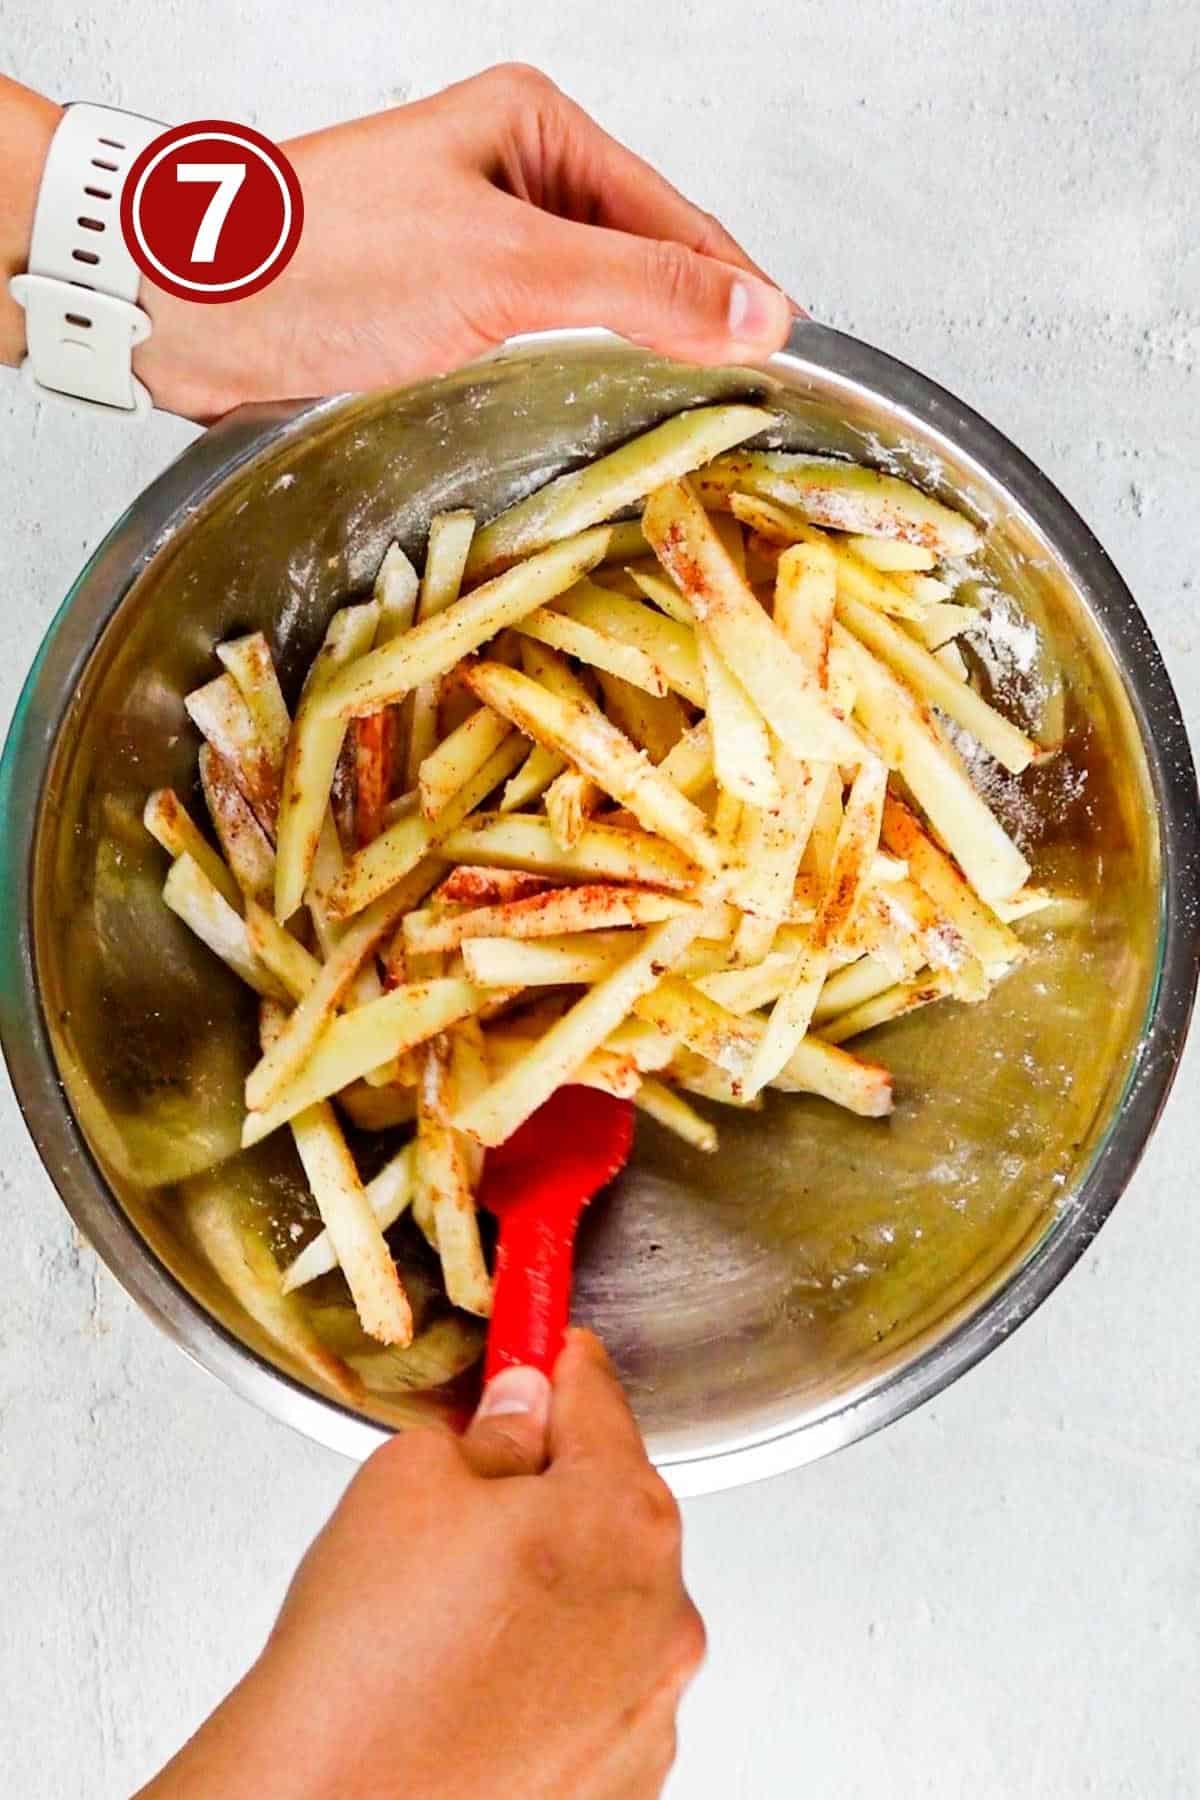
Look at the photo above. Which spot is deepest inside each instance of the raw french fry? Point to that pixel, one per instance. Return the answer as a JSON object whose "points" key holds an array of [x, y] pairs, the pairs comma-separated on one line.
{"points": [[805, 593], [653, 724], [985, 935], [668, 645], [905, 997], [766, 884], [372, 775], [952, 658], [626, 541], [857, 841], [922, 672], [666, 596], [542, 915], [450, 537], [571, 799], [433, 647], [937, 941], [354, 1230], [574, 957], [377, 1108], [704, 1078], [249, 1271], [848, 987], [741, 747], [395, 592], [1028, 900], [841, 496], [689, 764], [531, 780], [772, 526], [890, 554], [443, 1184], [326, 872], [575, 501], [472, 886], [171, 825], [936, 778], [574, 638], [470, 1075], [403, 845], [316, 1008], [360, 1040], [246, 845], [604, 1069], [603, 852], [457, 758], [685, 1013], [744, 991], [928, 590], [192, 897], [249, 661], [602, 753], [282, 955], [642, 1044], [313, 750], [672, 1110], [942, 621], [496, 1114], [221, 715], [750, 645], [818, 1067]]}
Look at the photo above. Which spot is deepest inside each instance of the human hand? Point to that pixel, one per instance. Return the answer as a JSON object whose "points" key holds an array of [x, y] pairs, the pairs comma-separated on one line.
{"points": [[503, 1614], [434, 231]]}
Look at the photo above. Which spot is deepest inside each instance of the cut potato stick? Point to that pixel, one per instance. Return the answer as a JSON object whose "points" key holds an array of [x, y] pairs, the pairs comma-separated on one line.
{"points": [[324, 876], [842, 496], [704, 1078], [294, 1042], [741, 747], [247, 847], [372, 775], [1031, 900], [604, 1069], [362, 1252], [603, 852], [450, 537], [444, 1187], [893, 1003], [922, 672], [985, 935], [689, 764], [626, 543], [360, 1040], [472, 886], [891, 554], [744, 991], [936, 778], [403, 845], [805, 593], [543, 766], [818, 1067], [602, 753], [750, 645], [470, 1075], [433, 647], [654, 724], [937, 941], [171, 825], [531, 780], [574, 638], [313, 750], [571, 799], [668, 645], [547, 914], [642, 1044], [681, 1010], [666, 596], [246, 1267], [941, 621], [848, 987], [670, 1109], [395, 592], [620, 479], [284, 956], [377, 1108], [496, 1114], [221, 715], [952, 658], [766, 884], [574, 957], [388, 1196], [192, 897], [249, 661], [446, 770]]}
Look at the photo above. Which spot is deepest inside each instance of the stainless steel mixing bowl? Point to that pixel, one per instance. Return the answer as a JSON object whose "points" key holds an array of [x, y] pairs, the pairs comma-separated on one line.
{"points": [[822, 1274]]}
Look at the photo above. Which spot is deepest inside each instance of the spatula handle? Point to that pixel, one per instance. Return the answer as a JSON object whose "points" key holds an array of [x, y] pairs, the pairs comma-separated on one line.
{"points": [[532, 1300]]}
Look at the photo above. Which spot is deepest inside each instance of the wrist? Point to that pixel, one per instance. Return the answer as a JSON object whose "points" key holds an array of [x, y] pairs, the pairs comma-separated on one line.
{"points": [[28, 122]]}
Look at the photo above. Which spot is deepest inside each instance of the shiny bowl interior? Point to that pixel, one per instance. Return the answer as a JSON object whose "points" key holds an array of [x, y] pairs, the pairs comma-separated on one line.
{"points": [[821, 1273]]}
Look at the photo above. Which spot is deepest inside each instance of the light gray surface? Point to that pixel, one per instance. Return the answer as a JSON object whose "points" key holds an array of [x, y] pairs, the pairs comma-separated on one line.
{"points": [[999, 1597]]}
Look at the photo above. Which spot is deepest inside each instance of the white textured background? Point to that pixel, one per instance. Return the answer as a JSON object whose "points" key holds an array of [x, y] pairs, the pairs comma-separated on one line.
{"points": [[1000, 1596]]}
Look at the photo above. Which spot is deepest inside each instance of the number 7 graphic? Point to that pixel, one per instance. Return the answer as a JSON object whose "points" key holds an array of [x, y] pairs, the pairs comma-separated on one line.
{"points": [[228, 178]]}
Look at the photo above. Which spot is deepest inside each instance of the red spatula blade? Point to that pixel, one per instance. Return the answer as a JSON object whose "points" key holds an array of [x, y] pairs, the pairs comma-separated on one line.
{"points": [[537, 1184]]}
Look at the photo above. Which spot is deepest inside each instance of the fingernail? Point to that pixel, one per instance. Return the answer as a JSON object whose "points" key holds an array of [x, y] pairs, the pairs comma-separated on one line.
{"points": [[520, 1390], [758, 314]]}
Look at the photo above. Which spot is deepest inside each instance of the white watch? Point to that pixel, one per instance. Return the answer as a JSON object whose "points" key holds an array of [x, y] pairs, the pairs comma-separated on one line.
{"points": [[80, 290]]}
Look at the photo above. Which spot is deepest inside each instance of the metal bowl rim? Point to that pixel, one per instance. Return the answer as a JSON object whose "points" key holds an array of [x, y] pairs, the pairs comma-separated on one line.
{"points": [[217, 457]]}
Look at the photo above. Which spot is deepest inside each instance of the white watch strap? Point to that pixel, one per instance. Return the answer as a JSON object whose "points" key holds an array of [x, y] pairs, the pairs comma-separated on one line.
{"points": [[80, 293]]}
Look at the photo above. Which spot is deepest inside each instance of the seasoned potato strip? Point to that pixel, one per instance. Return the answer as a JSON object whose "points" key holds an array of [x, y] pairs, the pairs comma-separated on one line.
{"points": [[457, 758], [574, 957], [984, 934], [751, 646], [620, 479], [574, 638], [496, 1114], [547, 914], [602, 753], [192, 897], [741, 747], [469, 885], [893, 1003], [247, 847], [672, 1110], [388, 1196], [444, 1187], [653, 724], [313, 750], [603, 852], [891, 554], [689, 764], [805, 593], [171, 825], [571, 799], [249, 661], [294, 967], [450, 535], [817, 1067], [221, 715], [667, 644]]}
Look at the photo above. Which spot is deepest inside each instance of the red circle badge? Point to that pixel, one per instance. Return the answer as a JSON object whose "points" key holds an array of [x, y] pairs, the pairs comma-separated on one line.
{"points": [[212, 211]]}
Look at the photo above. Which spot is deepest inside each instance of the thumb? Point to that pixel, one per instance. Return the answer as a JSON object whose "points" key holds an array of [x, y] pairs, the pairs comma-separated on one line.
{"points": [[658, 293], [508, 1435]]}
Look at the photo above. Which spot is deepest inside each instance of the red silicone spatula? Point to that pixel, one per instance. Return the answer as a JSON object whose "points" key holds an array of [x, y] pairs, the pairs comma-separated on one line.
{"points": [[537, 1184]]}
